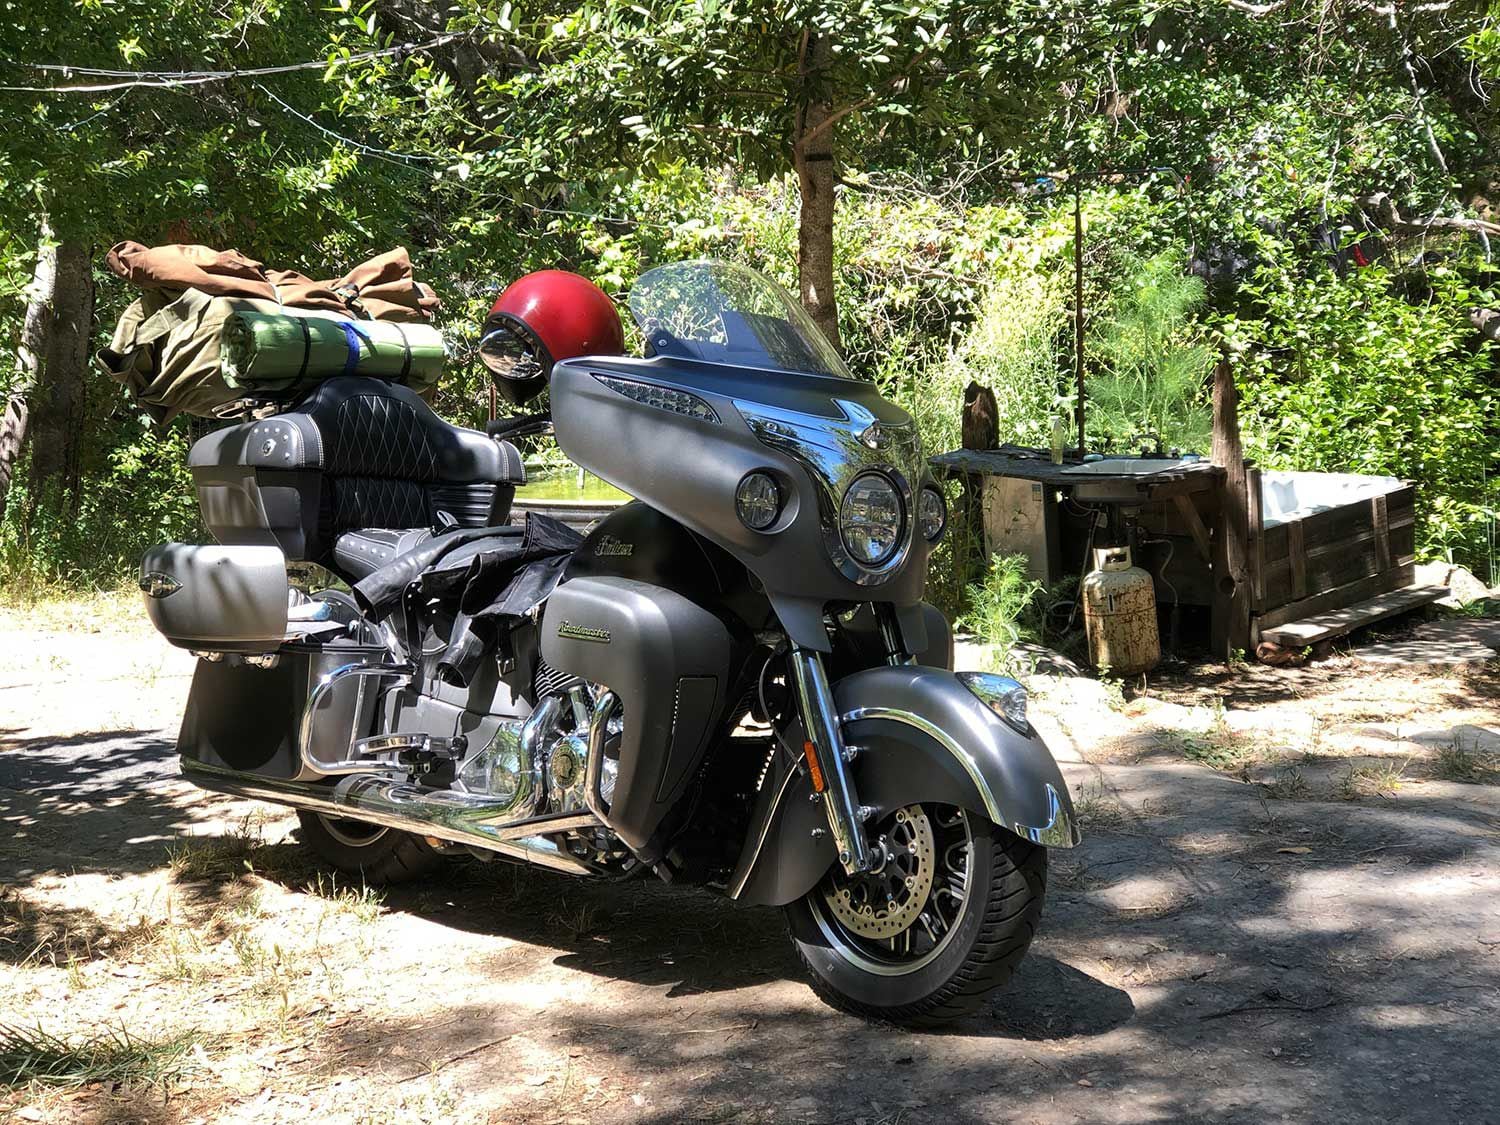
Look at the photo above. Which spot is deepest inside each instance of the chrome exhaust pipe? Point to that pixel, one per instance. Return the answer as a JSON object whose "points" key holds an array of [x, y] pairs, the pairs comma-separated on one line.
{"points": [[456, 818]]}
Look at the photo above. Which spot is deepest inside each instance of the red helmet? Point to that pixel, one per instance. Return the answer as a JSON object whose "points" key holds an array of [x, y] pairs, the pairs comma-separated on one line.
{"points": [[544, 317]]}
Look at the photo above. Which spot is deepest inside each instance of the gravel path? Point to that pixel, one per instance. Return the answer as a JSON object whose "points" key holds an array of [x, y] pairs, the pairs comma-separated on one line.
{"points": [[1211, 952]]}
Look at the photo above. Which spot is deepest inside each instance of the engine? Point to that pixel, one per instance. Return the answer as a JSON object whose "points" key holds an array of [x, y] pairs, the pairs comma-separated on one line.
{"points": [[539, 767]]}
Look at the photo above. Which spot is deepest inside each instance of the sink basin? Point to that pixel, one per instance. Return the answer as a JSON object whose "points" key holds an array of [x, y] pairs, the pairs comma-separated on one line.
{"points": [[1127, 466]]}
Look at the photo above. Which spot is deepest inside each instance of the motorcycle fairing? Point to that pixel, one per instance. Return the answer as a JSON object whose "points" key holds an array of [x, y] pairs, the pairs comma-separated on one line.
{"points": [[921, 736], [689, 464], [674, 666]]}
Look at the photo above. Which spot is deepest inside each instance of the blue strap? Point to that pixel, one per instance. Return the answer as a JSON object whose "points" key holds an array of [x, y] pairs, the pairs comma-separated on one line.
{"points": [[351, 356]]}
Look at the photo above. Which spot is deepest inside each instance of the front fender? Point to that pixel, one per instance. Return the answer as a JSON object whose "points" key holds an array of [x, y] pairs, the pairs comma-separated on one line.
{"points": [[921, 735]]}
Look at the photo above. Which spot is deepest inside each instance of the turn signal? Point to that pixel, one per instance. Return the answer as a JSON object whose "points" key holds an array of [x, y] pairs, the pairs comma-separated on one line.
{"points": [[810, 752]]}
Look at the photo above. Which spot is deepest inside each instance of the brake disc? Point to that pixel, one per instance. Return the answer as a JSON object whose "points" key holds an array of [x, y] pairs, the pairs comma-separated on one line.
{"points": [[881, 904]]}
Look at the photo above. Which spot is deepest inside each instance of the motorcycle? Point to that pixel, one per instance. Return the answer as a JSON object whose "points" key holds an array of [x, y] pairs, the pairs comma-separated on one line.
{"points": [[730, 682]]}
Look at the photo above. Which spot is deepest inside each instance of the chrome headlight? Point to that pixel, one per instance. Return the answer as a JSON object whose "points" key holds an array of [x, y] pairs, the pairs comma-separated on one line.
{"points": [[870, 519], [1001, 695]]}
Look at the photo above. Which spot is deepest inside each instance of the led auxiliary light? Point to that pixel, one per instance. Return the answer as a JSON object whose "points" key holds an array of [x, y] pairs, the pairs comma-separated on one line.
{"points": [[663, 398], [1002, 695], [757, 501], [932, 514]]}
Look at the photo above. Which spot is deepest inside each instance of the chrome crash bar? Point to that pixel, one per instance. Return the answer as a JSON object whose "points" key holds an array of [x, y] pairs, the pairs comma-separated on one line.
{"points": [[348, 762]]}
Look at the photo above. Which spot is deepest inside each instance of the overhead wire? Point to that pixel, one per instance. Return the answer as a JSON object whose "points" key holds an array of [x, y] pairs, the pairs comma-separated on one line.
{"points": [[180, 80], [358, 146], [167, 79]]}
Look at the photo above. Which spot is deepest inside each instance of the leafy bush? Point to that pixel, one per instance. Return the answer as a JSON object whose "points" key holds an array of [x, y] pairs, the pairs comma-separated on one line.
{"points": [[1013, 347], [1348, 375], [138, 493]]}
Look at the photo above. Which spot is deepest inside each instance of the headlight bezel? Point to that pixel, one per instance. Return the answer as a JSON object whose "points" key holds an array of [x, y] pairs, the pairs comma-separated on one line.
{"points": [[897, 530]]}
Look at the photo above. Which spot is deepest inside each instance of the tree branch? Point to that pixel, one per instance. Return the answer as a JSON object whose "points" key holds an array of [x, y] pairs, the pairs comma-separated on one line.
{"points": [[1382, 208], [885, 87], [1256, 9]]}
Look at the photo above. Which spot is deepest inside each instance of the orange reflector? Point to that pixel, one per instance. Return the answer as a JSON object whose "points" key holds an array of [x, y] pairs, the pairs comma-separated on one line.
{"points": [[812, 766]]}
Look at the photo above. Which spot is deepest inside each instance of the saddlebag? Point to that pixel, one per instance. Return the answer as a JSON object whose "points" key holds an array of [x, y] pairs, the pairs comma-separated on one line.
{"points": [[248, 718], [217, 599]]}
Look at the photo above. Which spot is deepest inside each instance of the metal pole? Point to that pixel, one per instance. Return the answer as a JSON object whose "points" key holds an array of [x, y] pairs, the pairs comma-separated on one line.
{"points": [[1078, 305]]}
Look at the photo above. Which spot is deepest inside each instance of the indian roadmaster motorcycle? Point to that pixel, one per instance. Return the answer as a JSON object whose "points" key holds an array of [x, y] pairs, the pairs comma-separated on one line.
{"points": [[731, 682]]}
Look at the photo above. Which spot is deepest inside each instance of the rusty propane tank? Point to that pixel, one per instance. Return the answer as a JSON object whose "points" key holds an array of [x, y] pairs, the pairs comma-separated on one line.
{"points": [[1119, 612]]}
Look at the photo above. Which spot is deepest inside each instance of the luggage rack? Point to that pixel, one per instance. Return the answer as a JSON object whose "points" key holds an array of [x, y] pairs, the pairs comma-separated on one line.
{"points": [[250, 409]]}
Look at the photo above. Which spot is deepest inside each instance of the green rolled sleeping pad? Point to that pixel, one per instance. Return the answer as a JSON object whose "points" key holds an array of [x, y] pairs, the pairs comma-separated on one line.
{"points": [[268, 352]]}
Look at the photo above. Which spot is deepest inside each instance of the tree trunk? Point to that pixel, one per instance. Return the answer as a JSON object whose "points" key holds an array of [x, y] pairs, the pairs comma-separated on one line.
{"points": [[813, 156], [46, 404], [1230, 618]]}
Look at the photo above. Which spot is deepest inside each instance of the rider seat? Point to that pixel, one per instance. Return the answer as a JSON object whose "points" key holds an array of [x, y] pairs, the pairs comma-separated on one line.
{"points": [[358, 472]]}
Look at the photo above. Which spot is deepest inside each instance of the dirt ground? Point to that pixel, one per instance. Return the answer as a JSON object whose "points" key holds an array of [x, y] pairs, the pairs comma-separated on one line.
{"points": [[1287, 907]]}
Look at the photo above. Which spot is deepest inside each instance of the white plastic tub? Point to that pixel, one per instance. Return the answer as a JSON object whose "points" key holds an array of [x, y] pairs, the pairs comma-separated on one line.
{"points": [[1285, 497]]}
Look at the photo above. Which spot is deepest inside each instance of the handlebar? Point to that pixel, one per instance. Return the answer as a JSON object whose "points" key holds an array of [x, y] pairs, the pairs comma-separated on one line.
{"points": [[519, 425]]}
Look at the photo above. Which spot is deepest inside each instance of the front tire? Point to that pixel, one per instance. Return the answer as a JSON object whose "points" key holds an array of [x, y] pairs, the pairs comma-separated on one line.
{"points": [[380, 856], [944, 922]]}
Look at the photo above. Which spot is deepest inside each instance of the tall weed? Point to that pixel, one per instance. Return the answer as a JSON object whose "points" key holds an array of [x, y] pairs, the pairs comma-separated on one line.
{"points": [[1000, 607]]}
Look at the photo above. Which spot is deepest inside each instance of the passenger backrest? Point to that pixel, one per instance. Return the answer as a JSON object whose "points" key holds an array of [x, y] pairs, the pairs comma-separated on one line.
{"points": [[356, 453]]}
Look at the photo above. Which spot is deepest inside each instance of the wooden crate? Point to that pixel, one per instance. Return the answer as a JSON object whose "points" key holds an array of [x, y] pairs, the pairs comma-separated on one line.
{"points": [[1330, 559]]}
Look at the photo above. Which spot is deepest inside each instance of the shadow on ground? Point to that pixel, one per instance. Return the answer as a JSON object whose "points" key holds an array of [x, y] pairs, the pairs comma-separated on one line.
{"points": [[1207, 955]]}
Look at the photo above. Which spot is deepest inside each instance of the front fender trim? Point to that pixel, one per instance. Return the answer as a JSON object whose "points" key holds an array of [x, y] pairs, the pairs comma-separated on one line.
{"points": [[1061, 828]]}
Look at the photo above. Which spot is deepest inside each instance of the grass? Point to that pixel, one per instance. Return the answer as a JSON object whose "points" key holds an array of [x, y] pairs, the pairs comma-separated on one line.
{"points": [[114, 1057], [1217, 747], [1288, 785], [1455, 763], [1380, 780], [241, 851], [1095, 807], [61, 608]]}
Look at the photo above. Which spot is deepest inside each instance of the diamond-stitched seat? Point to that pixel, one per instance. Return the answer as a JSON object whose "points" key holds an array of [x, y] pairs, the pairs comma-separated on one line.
{"points": [[357, 455]]}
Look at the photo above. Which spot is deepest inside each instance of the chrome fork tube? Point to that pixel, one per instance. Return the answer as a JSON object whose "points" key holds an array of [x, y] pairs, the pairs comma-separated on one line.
{"points": [[821, 718]]}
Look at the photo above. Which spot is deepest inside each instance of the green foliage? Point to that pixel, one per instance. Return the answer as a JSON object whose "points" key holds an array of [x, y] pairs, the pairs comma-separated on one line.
{"points": [[1013, 347], [112, 1057], [999, 607], [608, 138], [661, 80], [1350, 375], [1153, 363], [137, 495]]}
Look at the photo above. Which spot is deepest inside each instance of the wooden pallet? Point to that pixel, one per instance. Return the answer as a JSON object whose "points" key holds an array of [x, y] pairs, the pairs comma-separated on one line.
{"points": [[1337, 622]]}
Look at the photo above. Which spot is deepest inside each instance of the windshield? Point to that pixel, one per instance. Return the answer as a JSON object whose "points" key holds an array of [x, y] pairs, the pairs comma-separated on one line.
{"points": [[726, 313]]}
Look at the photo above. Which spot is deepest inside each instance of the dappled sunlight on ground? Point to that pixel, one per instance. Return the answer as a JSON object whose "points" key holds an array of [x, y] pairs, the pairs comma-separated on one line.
{"points": [[1213, 951]]}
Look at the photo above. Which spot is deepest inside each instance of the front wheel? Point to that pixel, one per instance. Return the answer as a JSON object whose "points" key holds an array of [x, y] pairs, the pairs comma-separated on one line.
{"points": [[944, 920]]}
